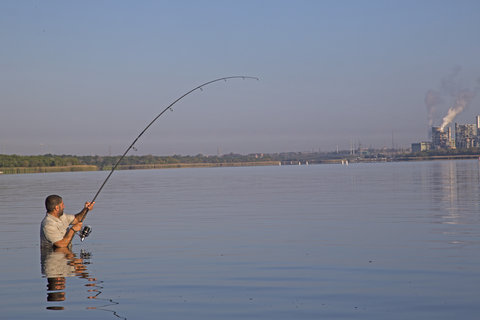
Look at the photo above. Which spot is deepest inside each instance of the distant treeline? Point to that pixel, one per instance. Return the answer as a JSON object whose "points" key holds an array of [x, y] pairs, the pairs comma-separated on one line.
{"points": [[48, 160], [106, 162]]}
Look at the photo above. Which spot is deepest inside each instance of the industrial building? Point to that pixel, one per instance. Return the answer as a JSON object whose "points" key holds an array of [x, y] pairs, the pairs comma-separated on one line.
{"points": [[442, 138], [467, 136], [421, 146]]}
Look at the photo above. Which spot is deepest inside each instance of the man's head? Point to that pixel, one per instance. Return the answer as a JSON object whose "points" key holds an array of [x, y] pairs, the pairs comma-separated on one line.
{"points": [[52, 202]]}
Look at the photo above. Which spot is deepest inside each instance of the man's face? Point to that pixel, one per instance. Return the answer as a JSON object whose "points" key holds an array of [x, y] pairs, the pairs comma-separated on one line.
{"points": [[61, 206]]}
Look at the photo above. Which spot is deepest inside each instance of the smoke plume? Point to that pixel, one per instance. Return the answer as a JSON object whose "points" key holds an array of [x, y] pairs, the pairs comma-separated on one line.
{"points": [[433, 98], [462, 100], [450, 88]]}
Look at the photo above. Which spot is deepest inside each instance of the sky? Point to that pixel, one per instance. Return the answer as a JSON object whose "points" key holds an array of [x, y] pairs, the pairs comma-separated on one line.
{"points": [[86, 77]]}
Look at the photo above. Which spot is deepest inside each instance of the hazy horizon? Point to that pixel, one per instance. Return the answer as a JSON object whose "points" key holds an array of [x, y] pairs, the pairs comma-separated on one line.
{"points": [[86, 77]]}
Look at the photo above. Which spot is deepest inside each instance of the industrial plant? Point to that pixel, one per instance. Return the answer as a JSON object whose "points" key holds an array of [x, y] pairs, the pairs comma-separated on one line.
{"points": [[467, 136]]}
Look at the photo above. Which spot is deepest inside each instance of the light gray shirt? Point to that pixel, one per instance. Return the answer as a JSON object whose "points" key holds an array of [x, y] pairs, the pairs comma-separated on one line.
{"points": [[53, 229]]}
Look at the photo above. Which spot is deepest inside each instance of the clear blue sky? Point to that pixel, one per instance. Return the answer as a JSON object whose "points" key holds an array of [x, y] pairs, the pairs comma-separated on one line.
{"points": [[85, 77]]}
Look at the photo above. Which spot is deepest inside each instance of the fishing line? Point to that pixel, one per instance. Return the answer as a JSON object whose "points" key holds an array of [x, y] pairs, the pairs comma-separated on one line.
{"points": [[87, 229]]}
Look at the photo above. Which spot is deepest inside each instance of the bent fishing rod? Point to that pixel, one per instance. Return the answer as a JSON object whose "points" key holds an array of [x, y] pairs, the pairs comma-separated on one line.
{"points": [[87, 229]]}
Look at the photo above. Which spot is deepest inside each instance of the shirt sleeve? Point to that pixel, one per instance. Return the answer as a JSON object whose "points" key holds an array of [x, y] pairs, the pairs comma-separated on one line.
{"points": [[69, 218]]}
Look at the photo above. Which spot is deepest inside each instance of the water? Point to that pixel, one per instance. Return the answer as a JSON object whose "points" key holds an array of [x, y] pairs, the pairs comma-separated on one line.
{"points": [[365, 241]]}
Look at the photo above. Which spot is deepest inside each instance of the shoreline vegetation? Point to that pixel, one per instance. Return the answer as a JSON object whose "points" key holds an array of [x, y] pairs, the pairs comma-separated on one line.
{"points": [[18, 164]]}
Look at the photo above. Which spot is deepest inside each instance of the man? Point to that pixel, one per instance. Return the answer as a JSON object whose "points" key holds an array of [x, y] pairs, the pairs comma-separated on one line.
{"points": [[55, 229]]}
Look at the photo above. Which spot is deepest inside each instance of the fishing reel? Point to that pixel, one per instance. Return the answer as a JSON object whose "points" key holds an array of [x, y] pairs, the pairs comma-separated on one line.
{"points": [[85, 232]]}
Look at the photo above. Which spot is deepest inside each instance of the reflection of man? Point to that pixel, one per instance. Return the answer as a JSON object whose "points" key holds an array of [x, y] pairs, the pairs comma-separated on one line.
{"points": [[57, 264], [60, 263], [55, 226]]}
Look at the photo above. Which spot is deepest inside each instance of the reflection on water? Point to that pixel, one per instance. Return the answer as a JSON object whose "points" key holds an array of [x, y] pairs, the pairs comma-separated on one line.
{"points": [[60, 263], [454, 187], [454, 190]]}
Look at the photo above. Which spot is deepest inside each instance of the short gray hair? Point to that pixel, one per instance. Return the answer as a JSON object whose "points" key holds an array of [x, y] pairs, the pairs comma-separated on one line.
{"points": [[52, 201]]}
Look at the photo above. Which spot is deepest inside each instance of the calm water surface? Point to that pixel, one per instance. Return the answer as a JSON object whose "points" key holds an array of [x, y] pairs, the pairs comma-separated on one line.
{"points": [[365, 241]]}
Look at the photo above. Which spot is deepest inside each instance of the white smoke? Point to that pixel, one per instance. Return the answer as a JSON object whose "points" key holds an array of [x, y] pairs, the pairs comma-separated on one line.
{"points": [[434, 98], [462, 100], [449, 88]]}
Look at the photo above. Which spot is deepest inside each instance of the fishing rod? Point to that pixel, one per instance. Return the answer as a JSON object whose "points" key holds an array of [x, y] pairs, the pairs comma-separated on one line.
{"points": [[87, 229]]}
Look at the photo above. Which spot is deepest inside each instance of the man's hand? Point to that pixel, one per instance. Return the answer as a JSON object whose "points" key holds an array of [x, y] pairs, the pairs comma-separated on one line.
{"points": [[89, 205], [81, 215], [68, 236]]}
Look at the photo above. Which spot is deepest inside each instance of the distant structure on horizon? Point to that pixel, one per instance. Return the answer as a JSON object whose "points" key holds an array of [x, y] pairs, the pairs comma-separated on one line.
{"points": [[442, 139], [467, 136]]}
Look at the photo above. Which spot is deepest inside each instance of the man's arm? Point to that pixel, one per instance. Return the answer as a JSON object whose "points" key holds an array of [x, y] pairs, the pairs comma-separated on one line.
{"points": [[79, 216], [76, 226], [68, 236]]}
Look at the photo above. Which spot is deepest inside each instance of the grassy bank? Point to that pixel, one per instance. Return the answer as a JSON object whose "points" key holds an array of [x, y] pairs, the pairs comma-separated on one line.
{"points": [[20, 170], [196, 165]]}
